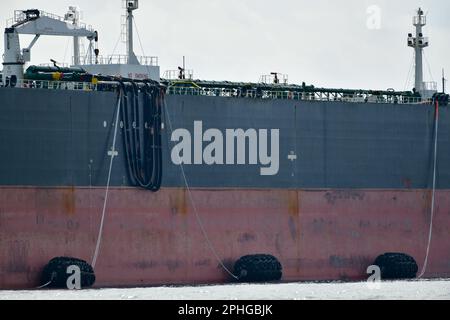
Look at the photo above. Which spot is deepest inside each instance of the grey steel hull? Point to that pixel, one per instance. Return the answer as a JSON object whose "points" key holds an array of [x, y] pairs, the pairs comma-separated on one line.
{"points": [[60, 138]]}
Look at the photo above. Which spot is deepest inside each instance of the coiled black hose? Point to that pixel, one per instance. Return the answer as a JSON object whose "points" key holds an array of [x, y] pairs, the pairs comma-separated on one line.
{"points": [[142, 134]]}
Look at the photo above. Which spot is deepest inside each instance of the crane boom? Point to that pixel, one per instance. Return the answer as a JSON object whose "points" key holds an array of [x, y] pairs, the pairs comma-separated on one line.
{"points": [[38, 23], [46, 26]]}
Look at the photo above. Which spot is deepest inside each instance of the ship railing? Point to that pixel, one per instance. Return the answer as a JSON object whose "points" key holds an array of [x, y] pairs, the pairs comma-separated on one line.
{"points": [[290, 95], [178, 74], [20, 16], [232, 92], [422, 20], [429, 86], [116, 59], [60, 64], [56, 85]]}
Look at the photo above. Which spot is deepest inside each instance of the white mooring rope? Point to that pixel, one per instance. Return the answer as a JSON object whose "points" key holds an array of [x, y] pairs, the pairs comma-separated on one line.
{"points": [[197, 216], [113, 150], [44, 285], [430, 233]]}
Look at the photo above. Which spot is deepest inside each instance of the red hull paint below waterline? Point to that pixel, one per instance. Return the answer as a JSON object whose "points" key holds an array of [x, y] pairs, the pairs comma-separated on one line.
{"points": [[154, 238]]}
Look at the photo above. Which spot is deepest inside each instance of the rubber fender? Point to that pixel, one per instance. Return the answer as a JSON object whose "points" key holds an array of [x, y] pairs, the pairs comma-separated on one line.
{"points": [[258, 268], [55, 272], [397, 266]]}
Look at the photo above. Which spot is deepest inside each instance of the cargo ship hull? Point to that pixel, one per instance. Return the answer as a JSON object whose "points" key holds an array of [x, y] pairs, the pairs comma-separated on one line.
{"points": [[154, 239], [351, 181]]}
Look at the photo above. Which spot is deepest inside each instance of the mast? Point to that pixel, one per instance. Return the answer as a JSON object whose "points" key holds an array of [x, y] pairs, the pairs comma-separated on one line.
{"points": [[76, 40], [419, 42], [131, 5], [443, 80], [73, 15]]}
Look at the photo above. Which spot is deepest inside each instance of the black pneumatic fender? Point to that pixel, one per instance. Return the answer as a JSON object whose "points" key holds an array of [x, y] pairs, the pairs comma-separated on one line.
{"points": [[55, 273], [258, 268], [396, 266]]}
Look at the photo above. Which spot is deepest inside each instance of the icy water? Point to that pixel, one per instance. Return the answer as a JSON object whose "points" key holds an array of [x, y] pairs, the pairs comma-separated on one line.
{"points": [[400, 290]]}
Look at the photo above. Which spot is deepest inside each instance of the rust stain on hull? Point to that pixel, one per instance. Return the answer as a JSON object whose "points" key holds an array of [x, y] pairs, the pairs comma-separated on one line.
{"points": [[178, 202], [69, 201], [293, 201]]}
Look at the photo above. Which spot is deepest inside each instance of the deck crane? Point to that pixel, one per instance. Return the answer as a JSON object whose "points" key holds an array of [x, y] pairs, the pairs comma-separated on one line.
{"points": [[39, 23]]}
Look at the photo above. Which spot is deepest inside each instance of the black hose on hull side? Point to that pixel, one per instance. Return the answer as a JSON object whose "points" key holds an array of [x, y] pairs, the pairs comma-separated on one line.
{"points": [[126, 134], [159, 105], [142, 134]]}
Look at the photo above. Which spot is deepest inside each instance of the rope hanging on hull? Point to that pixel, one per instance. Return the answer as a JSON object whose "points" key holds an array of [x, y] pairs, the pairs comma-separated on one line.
{"points": [[142, 134]]}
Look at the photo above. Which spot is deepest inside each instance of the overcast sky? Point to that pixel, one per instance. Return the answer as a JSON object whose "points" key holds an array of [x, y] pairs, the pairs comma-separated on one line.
{"points": [[339, 43]]}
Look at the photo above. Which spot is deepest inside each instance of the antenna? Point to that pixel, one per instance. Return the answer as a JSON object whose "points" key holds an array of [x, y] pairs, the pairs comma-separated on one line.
{"points": [[443, 80]]}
